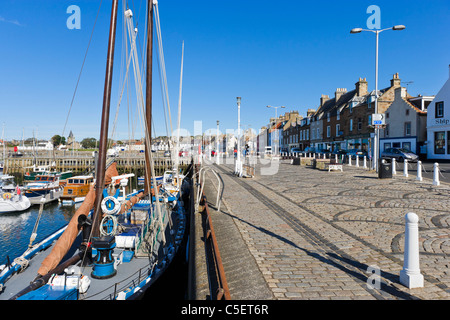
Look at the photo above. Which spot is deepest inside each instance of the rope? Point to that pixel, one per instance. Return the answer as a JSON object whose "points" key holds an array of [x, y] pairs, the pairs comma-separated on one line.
{"points": [[81, 71], [34, 233]]}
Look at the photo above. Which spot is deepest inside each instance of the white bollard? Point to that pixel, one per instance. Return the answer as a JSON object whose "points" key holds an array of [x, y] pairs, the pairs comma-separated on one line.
{"points": [[436, 181], [350, 161], [419, 171], [405, 168], [357, 161], [365, 163], [394, 167], [336, 158], [410, 275]]}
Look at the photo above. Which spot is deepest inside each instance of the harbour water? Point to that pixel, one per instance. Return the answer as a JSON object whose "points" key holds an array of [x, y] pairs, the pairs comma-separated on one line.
{"points": [[16, 228]]}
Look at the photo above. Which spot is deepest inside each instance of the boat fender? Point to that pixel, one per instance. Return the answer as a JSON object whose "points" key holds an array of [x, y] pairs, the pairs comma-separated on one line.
{"points": [[85, 282], [110, 205], [7, 196]]}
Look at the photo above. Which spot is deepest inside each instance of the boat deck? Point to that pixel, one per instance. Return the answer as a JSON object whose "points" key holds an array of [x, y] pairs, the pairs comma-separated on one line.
{"points": [[140, 270]]}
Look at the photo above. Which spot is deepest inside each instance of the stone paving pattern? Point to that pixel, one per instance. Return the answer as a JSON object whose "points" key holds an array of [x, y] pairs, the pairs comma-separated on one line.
{"points": [[315, 234]]}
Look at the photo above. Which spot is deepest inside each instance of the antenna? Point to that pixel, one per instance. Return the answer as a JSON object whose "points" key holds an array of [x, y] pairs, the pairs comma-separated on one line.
{"points": [[407, 84]]}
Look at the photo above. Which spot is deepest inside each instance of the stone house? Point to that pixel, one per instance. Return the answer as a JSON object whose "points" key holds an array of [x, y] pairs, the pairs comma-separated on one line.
{"points": [[357, 125], [316, 124], [304, 130]]}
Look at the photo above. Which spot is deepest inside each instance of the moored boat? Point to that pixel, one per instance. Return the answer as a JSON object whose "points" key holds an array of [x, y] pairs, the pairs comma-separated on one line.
{"points": [[11, 196], [115, 247], [76, 189], [44, 186]]}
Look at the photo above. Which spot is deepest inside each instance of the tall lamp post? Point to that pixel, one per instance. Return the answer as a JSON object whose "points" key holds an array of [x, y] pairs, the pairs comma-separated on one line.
{"points": [[377, 136], [217, 144], [238, 169], [276, 117]]}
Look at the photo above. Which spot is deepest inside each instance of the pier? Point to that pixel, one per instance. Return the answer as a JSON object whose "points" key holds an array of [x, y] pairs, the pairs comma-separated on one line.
{"points": [[82, 162], [305, 233]]}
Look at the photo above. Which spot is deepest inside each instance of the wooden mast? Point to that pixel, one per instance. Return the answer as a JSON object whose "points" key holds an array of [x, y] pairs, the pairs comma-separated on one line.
{"points": [[101, 163], [148, 96]]}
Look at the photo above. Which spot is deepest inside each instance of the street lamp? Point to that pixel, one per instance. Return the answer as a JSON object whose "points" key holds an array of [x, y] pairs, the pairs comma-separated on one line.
{"points": [[377, 32], [217, 149], [238, 169], [276, 117]]}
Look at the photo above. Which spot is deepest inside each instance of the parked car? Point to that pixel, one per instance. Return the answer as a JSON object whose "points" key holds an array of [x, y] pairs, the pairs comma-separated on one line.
{"points": [[295, 150], [356, 153], [399, 154], [310, 150], [339, 152]]}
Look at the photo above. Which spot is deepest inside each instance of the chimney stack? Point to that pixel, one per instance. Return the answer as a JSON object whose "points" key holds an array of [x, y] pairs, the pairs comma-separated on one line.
{"points": [[339, 92], [361, 87], [324, 98], [395, 82]]}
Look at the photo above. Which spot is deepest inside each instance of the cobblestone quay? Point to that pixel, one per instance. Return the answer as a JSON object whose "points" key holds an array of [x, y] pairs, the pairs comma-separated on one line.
{"points": [[312, 234]]}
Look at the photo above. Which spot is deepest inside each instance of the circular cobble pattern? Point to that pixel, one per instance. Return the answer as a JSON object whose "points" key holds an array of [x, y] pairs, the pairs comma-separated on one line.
{"points": [[315, 234]]}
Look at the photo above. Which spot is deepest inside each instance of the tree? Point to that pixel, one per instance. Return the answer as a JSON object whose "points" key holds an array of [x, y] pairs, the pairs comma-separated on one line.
{"points": [[89, 143], [58, 140]]}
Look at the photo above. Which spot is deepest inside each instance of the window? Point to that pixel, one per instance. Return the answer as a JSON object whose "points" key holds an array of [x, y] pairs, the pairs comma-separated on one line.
{"points": [[338, 116], [386, 131], [439, 142], [387, 115], [328, 117], [406, 146], [407, 112], [351, 125], [370, 120], [328, 131], [448, 142], [407, 128], [439, 109], [359, 124], [338, 128], [387, 145], [395, 144], [318, 133], [307, 134]]}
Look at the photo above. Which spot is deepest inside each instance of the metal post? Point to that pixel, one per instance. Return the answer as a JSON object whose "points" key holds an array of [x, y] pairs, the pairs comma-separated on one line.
{"points": [[410, 275], [436, 181], [419, 171], [375, 144], [217, 152], [405, 168]]}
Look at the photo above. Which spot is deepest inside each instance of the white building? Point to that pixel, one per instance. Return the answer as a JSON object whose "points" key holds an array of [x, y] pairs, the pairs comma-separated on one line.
{"points": [[406, 120], [438, 125]]}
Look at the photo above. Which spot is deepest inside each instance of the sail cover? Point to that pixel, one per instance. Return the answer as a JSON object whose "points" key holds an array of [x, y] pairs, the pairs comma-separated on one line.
{"points": [[66, 240]]}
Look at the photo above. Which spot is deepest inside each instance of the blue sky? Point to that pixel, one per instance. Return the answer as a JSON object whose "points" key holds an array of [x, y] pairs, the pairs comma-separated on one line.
{"points": [[275, 53]]}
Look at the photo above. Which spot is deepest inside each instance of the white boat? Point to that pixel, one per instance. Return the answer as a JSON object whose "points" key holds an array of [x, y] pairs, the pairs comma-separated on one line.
{"points": [[44, 186], [11, 197]]}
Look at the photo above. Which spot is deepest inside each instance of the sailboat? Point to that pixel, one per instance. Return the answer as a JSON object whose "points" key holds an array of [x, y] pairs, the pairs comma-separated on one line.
{"points": [[117, 245]]}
